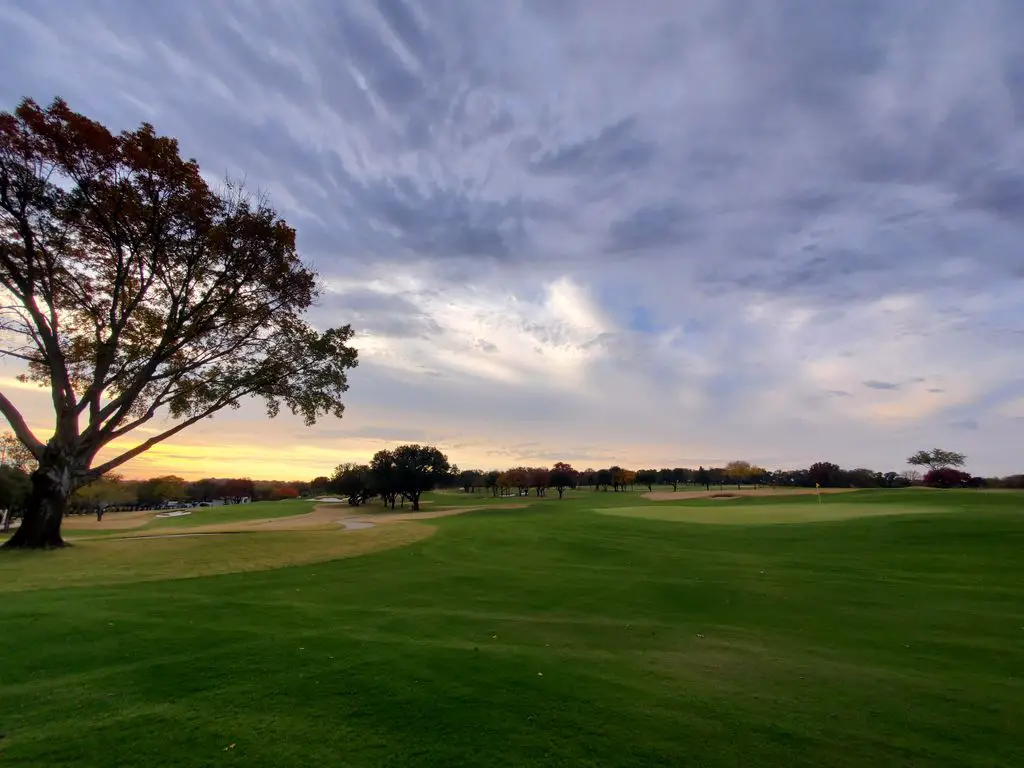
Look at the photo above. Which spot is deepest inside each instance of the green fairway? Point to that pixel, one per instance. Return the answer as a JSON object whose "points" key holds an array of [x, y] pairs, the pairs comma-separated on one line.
{"points": [[549, 635], [807, 510]]}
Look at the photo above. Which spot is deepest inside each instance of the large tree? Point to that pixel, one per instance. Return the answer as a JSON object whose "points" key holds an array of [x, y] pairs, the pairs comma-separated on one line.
{"points": [[157, 490], [133, 290], [491, 481], [647, 477], [826, 474], [937, 458], [409, 471], [563, 476], [739, 472], [354, 482], [470, 480], [539, 479], [947, 477], [107, 491]]}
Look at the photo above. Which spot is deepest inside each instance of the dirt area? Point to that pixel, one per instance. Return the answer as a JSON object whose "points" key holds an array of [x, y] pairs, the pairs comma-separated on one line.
{"points": [[725, 495]]}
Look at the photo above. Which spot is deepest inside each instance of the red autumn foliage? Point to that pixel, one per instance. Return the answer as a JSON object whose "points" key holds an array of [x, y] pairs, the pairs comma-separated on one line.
{"points": [[947, 477]]}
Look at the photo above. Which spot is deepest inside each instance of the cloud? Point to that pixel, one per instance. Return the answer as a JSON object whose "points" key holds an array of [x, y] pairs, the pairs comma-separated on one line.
{"points": [[781, 233], [880, 384]]}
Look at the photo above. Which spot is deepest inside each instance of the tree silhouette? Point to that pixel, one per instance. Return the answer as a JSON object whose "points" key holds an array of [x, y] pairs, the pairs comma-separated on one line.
{"points": [[937, 458], [132, 290], [563, 476]]}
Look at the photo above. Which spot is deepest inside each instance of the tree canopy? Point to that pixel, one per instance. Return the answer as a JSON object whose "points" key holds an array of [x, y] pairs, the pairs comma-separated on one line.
{"points": [[562, 476], [132, 289], [409, 471], [937, 458]]}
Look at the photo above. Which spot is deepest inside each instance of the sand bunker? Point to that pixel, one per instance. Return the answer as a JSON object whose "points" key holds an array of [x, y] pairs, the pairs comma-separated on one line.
{"points": [[355, 525]]}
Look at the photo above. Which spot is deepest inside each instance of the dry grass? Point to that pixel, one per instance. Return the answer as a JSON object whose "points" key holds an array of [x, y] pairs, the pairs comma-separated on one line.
{"points": [[111, 520], [180, 555], [324, 517]]}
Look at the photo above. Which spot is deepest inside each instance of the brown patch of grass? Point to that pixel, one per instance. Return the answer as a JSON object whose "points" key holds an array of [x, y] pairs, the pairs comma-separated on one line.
{"points": [[115, 520], [324, 517], [121, 560]]}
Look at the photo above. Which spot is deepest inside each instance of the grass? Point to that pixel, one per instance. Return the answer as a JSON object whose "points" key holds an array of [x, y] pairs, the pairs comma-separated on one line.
{"points": [[148, 558], [546, 636], [804, 511], [200, 516], [235, 513]]}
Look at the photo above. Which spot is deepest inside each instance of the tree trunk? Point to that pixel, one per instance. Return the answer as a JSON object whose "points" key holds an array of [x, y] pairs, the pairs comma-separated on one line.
{"points": [[415, 498], [560, 492], [52, 484]]}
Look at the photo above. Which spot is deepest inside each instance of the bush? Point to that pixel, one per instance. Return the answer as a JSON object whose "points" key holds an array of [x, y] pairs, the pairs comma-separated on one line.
{"points": [[947, 477]]}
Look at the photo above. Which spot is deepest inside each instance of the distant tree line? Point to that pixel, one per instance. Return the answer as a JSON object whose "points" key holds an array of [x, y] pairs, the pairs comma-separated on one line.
{"points": [[112, 492], [404, 473]]}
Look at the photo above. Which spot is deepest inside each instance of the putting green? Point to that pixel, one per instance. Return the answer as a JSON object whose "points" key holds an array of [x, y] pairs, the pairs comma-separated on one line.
{"points": [[767, 514]]}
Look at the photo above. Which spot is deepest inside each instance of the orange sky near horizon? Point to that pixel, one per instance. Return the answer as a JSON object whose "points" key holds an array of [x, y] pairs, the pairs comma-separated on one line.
{"points": [[211, 449], [246, 443]]}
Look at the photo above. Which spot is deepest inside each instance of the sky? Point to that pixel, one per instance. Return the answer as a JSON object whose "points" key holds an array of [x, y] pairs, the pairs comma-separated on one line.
{"points": [[654, 234]]}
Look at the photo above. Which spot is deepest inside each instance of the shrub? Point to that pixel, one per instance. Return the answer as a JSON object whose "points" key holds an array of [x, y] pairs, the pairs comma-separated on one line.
{"points": [[947, 477]]}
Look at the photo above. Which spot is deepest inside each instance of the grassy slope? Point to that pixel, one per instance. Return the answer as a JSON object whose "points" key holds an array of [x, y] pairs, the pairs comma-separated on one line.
{"points": [[232, 513], [235, 513], [551, 636], [110, 560], [806, 510]]}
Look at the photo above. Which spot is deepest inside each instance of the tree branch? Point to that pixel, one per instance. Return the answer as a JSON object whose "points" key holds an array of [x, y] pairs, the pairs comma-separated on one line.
{"points": [[17, 422], [145, 446]]}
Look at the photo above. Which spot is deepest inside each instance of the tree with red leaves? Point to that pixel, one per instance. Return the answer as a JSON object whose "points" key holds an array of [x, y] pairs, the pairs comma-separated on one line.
{"points": [[133, 290], [947, 477]]}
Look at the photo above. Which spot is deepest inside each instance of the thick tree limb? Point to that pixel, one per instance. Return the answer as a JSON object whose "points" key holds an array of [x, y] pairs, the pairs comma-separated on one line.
{"points": [[17, 422]]}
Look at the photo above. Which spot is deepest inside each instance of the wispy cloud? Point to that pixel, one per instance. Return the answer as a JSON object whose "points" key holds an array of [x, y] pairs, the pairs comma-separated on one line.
{"points": [[783, 231]]}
